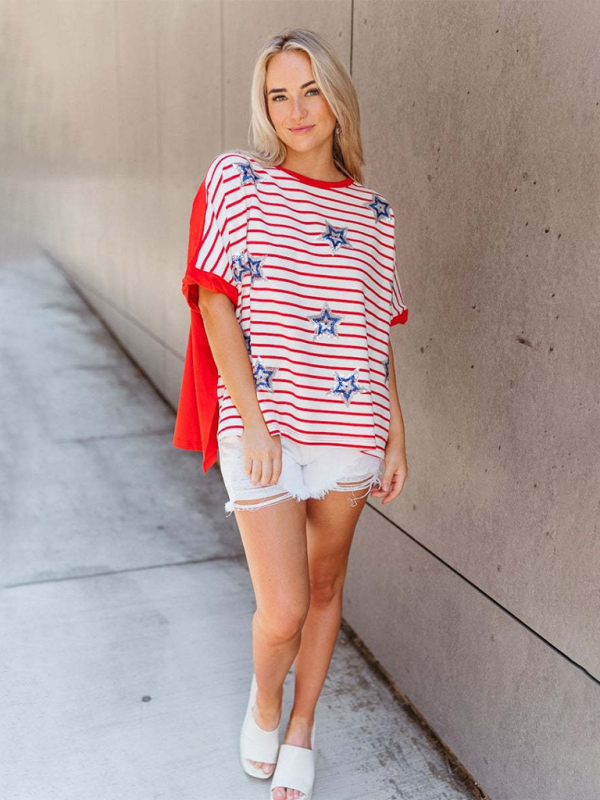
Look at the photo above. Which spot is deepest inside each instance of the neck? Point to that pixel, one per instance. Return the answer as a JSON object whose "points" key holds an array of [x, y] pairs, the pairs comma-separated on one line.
{"points": [[319, 166]]}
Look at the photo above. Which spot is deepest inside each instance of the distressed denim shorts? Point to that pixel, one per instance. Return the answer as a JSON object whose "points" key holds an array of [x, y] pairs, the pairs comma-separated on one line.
{"points": [[307, 470]]}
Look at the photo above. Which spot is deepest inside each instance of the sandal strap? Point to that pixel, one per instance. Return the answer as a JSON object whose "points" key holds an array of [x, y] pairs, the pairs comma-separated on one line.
{"points": [[295, 768], [257, 744]]}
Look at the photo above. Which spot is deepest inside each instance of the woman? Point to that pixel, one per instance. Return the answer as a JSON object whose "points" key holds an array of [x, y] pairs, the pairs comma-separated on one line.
{"points": [[289, 372]]}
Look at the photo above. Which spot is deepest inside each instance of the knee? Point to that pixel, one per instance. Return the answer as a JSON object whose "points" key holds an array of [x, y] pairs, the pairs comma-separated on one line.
{"points": [[282, 625], [326, 588]]}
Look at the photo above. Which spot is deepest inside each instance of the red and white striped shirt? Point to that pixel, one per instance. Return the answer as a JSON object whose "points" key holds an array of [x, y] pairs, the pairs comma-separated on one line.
{"points": [[311, 268]]}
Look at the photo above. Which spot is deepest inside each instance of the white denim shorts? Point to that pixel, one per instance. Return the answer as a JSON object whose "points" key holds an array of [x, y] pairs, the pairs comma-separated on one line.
{"points": [[307, 470]]}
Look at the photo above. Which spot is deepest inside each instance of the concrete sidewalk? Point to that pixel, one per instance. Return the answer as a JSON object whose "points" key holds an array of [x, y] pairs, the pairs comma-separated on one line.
{"points": [[126, 609]]}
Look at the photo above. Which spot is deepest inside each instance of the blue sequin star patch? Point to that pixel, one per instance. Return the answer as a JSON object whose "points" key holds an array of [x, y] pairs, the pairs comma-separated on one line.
{"points": [[239, 267], [256, 269], [347, 386], [247, 340], [379, 207], [247, 173], [325, 322], [263, 375], [386, 368], [245, 264], [335, 237]]}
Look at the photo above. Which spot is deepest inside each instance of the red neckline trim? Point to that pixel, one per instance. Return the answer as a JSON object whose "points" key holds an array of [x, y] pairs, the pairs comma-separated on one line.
{"points": [[315, 181]]}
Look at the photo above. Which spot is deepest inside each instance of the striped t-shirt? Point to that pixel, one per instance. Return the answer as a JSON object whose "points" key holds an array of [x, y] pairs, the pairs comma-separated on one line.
{"points": [[312, 267]]}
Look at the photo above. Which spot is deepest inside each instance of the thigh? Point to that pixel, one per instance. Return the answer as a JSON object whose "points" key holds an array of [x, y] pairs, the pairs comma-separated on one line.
{"points": [[272, 527], [274, 539], [330, 525], [331, 520]]}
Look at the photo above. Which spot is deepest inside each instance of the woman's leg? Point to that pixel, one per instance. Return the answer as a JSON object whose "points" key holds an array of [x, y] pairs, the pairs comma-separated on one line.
{"points": [[274, 539], [330, 524]]}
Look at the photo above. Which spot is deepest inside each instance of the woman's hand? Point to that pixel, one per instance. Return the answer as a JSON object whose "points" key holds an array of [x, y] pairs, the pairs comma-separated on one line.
{"points": [[262, 454], [395, 471]]}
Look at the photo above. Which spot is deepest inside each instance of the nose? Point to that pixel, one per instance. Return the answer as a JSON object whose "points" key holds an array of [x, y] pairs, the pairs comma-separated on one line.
{"points": [[298, 115]]}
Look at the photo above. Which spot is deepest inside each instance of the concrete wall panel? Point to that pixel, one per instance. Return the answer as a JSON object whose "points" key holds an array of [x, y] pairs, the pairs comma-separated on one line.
{"points": [[520, 716], [494, 178]]}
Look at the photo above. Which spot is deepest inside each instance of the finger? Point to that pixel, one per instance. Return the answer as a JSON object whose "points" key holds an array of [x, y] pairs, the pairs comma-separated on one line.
{"points": [[395, 490], [267, 471], [276, 469], [256, 471], [386, 485], [390, 496], [379, 491], [388, 477]]}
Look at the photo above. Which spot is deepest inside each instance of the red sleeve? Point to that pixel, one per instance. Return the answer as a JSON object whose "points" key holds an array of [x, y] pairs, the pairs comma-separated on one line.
{"points": [[399, 309], [197, 412], [400, 318]]}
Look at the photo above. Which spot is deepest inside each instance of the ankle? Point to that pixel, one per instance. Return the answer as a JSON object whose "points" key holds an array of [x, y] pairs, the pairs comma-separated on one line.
{"points": [[270, 704], [301, 721]]}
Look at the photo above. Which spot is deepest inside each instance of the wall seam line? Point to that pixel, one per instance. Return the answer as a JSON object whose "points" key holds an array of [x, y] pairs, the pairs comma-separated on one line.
{"points": [[481, 591]]}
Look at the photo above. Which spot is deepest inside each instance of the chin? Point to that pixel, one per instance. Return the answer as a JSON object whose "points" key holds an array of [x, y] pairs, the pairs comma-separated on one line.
{"points": [[303, 144], [299, 147]]}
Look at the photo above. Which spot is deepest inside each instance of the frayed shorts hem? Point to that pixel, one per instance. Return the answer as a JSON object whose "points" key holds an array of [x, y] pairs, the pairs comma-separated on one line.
{"points": [[308, 471], [317, 494]]}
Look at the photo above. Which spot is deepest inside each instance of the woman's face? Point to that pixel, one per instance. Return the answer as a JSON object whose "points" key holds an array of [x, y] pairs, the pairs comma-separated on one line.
{"points": [[293, 101]]}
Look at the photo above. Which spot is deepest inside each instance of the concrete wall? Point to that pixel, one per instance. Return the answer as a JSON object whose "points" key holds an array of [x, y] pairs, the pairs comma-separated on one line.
{"points": [[477, 588]]}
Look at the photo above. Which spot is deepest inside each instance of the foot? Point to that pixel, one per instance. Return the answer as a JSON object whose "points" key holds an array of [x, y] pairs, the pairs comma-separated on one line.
{"points": [[268, 720], [298, 733]]}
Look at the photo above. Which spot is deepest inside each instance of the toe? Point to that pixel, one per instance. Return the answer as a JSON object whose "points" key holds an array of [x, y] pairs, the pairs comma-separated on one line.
{"points": [[263, 765], [283, 793]]}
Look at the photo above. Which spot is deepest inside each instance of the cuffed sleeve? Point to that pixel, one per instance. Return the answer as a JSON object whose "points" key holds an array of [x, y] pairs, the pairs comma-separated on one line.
{"points": [[399, 309], [209, 248]]}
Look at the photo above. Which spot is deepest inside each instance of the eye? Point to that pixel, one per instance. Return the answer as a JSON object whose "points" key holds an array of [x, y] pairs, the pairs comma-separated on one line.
{"points": [[277, 96]]}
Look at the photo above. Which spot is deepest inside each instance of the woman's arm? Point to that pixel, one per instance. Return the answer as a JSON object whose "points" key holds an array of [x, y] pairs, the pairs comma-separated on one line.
{"points": [[261, 450], [395, 467], [396, 419], [229, 350]]}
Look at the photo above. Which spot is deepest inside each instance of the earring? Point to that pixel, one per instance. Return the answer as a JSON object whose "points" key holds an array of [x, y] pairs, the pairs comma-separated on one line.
{"points": [[338, 130]]}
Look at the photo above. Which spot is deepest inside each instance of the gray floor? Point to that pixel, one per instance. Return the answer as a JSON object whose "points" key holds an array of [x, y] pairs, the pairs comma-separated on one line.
{"points": [[126, 601]]}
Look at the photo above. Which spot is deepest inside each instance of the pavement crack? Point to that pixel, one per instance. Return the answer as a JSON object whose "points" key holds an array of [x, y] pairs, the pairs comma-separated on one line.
{"points": [[64, 578]]}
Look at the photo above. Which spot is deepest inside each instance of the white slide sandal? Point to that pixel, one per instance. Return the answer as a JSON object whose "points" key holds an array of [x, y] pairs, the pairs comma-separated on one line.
{"points": [[295, 768], [255, 743]]}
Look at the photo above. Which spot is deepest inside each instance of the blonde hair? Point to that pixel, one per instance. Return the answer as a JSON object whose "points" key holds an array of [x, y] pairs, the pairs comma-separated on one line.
{"points": [[336, 86]]}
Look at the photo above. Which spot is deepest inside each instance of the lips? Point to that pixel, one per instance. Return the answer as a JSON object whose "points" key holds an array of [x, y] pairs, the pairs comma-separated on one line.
{"points": [[302, 128]]}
